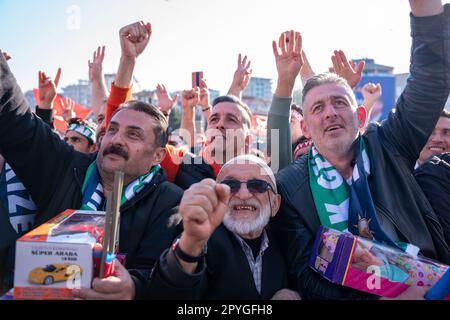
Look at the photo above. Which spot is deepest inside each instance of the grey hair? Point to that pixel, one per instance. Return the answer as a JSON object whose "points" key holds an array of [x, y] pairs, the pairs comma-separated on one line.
{"points": [[325, 78]]}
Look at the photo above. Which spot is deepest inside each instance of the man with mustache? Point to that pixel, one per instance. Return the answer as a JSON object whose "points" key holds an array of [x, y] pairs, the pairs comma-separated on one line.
{"points": [[226, 250], [349, 177], [60, 178]]}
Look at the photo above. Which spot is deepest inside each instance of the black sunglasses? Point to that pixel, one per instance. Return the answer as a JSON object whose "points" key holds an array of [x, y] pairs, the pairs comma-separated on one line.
{"points": [[253, 185]]}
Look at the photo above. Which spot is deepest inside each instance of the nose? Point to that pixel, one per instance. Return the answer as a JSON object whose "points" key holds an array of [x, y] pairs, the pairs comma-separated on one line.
{"points": [[330, 110], [220, 125], [243, 192], [436, 137], [116, 138]]}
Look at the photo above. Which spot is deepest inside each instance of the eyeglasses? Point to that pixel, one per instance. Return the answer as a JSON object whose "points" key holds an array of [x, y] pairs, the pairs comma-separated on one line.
{"points": [[253, 185]]}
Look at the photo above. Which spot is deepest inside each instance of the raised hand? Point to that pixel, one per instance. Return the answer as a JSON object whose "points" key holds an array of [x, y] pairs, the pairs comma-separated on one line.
{"points": [[134, 38], [204, 95], [347, 69], [371, 93], [241, 77], [202, 207], [166, 103], [67, 106], [7, 56], [47, 89], [190, 98], [288, 62], [95, 67]]}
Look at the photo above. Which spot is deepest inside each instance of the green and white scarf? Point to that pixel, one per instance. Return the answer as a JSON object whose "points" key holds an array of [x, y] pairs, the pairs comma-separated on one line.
{"points": [[330, 190], [349, 206], [93, 198]]}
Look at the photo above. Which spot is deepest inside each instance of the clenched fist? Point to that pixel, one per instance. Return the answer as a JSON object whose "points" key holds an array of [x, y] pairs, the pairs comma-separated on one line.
{"points": [[134, 38], [202, 207]]}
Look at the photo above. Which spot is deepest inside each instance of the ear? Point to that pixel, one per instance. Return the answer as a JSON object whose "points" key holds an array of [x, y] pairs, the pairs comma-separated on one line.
{"points": [[160, 154], [305, 129], [362, 116], [93, 148], [276, 202]]}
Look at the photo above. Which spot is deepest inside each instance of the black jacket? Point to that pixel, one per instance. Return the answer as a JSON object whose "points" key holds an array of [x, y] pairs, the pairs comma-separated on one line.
{"points": [[393, 148], [224, 274], [193, 169], [53, 173], [434, 178]]}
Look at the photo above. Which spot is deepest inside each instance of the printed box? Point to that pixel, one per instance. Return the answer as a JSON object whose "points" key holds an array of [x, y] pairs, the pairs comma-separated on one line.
{"points": [[359, 263], [57, 256]]}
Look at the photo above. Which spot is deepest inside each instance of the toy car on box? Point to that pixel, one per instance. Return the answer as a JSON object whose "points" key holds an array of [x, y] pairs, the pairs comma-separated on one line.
{"points": [[54, 273], [57, 256], [359, 263]]}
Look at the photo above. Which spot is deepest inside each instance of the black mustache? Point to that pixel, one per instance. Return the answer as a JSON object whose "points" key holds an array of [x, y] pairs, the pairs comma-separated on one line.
{"points": [[116, 150]]}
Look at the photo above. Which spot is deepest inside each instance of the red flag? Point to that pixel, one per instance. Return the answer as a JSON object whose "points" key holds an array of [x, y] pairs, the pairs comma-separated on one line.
{"points": [[59, 123]]}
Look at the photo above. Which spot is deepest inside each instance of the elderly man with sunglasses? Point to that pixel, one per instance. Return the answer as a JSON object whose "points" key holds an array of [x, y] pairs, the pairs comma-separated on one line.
{"points": [[225, 250]]}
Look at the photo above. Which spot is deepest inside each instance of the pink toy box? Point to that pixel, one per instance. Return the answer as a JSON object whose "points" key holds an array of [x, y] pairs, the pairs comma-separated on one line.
{"points": [[365, 265]]}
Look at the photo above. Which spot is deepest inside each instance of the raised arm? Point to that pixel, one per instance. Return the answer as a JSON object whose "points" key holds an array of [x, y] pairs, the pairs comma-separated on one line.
{"points": [[347, 69], [204, 102], [423, 99], [289, 62], [189, 99], [98, 86], [241, 77], [371, 93], [166, 102], [31, 148], [134, 38], [47, 94]]}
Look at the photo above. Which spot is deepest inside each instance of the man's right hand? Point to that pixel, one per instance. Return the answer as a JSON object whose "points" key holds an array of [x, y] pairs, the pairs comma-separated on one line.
{"points": [[134, 38], [202, 207], [289, 62]]}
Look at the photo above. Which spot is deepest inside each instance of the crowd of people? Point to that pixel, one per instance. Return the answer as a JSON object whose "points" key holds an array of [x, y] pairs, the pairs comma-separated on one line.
{"points": [[229, 221]]}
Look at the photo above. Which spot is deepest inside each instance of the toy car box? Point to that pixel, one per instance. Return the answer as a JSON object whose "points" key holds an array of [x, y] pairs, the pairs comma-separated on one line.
{"points": [[57, 256], [359, 263]]}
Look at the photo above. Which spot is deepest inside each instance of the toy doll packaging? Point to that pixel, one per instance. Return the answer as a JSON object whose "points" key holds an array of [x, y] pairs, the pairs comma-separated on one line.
{"points": [[365, 265]]}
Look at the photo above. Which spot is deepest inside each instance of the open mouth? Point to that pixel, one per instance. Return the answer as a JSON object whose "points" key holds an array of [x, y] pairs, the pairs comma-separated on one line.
{"points": [[436, 149], [333, 128], [244, 208]]}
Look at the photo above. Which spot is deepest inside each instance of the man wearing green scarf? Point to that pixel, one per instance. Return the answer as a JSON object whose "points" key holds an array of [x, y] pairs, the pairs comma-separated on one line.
{"points": [[363, 183], [59, 177]]}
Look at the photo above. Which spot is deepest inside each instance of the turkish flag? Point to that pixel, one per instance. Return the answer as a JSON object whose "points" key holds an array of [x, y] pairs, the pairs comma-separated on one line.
{"points": [[59, 123]]}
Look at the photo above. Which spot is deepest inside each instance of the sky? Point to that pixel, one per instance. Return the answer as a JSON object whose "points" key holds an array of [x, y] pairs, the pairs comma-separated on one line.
{"points": [[197, 35]]}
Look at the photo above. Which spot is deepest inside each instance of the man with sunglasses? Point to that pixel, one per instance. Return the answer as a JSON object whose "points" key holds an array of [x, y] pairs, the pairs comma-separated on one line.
{"points": [[225, 250]]}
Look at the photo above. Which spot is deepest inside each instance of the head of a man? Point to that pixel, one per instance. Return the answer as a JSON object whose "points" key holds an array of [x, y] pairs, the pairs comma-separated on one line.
{"points": [[134, 141], [253, 195], [439, 140], [81, 135], [228, 130], [331, 115], [296, 118]]}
